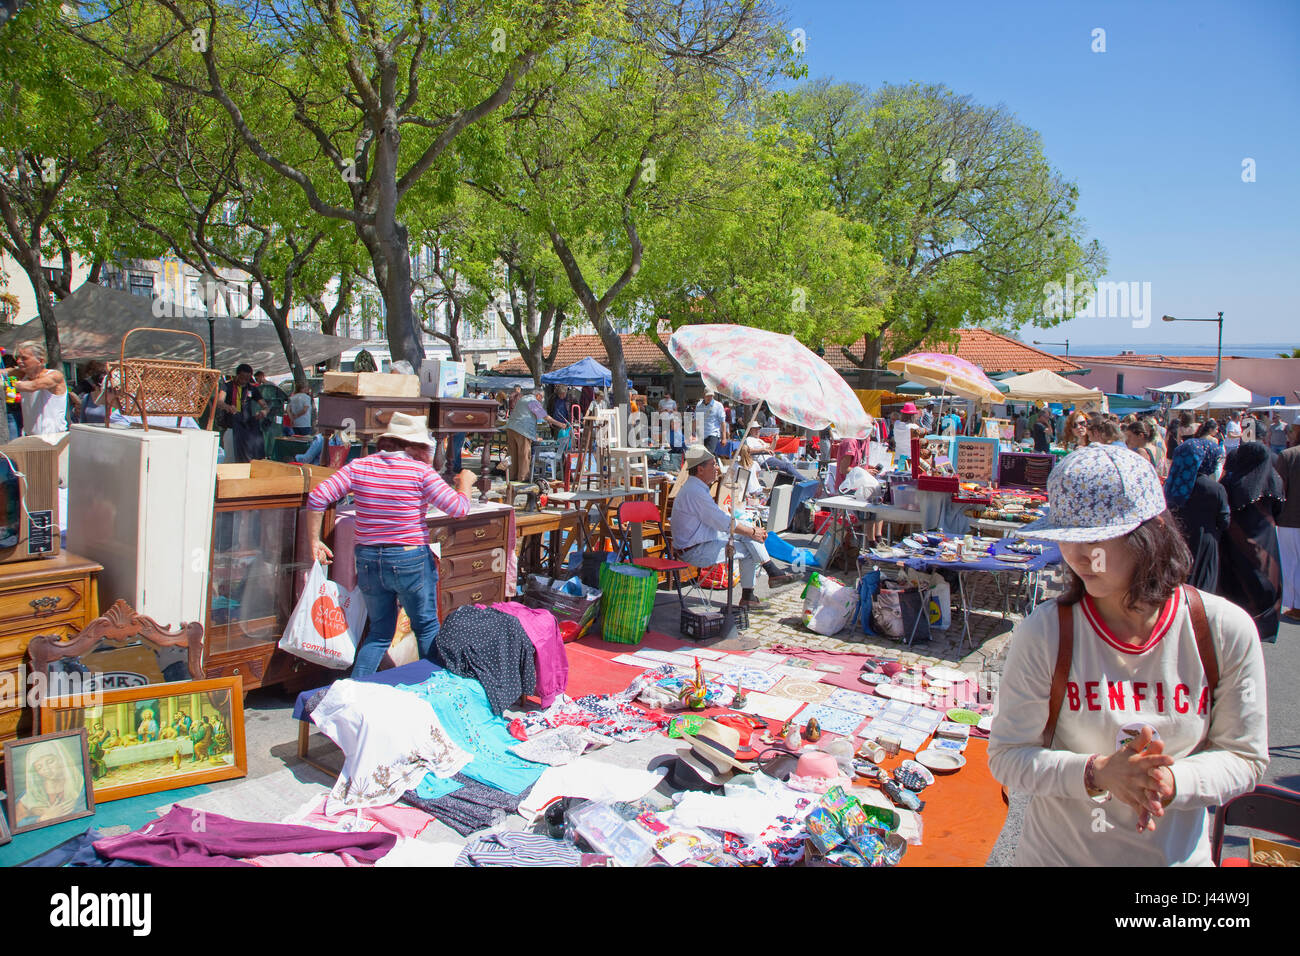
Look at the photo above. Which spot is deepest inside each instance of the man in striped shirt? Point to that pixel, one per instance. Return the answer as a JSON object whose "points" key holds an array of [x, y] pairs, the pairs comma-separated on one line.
{"points": [[393, 491]]}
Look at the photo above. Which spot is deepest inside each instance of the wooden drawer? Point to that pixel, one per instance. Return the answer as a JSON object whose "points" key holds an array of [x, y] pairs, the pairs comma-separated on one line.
{"points": [[249, 663], [462, 568], [9, 723], [62, 600], [469, 417], [15, 645], [476, 592], [463, 535]]}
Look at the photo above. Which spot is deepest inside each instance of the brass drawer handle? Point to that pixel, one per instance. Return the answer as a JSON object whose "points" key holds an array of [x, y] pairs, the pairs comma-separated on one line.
{"points": [[478, 533], [45, 605], [476, 595], [477, 565]]}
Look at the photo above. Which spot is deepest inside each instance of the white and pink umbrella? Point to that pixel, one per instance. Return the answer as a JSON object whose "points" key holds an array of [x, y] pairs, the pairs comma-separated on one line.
{"points": [[753, 366]]}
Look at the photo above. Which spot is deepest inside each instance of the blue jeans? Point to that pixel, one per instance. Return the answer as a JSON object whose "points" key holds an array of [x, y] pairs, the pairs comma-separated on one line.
{"points": [[455, 445], [312, 455], [386, 574]]}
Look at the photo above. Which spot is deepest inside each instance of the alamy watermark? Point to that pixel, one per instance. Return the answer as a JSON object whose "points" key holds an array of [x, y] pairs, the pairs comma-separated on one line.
{"points": [[1098, 300], [210, 294]]}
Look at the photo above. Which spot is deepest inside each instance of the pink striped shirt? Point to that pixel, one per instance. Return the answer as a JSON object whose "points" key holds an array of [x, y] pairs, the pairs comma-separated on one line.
{"points": [[393, 493]]}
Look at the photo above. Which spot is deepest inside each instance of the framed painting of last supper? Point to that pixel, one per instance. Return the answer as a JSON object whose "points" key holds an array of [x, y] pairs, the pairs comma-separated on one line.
{"points": [[156, 737]]}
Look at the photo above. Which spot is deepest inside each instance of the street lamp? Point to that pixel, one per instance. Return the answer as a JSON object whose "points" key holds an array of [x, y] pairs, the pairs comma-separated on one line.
{"points": [[209, 284], [1066, 343], [1218, 367]]}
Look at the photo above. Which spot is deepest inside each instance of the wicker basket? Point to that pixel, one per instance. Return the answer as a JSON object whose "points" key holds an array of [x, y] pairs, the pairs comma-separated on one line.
{"points": [[163, 386]]}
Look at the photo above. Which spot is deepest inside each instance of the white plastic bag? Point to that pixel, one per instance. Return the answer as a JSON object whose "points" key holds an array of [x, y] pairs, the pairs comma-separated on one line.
{"points": [[828, 606], [860, 483], [325, 628]]}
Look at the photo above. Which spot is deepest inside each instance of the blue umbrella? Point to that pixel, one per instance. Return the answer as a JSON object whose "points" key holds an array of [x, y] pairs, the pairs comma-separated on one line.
{"points": [[584, 372]]}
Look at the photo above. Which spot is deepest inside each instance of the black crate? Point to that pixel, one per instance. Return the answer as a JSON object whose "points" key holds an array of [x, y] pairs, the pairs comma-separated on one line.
{"points": [[706, 625]]}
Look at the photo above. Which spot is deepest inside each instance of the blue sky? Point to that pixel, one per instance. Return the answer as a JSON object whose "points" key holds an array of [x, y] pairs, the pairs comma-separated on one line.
{"points": [[1154, 132]]}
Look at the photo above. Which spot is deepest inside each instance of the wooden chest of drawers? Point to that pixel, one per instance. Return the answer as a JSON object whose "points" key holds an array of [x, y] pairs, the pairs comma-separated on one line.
{"points": [[472, 568], [54, 596], [361, 415]]}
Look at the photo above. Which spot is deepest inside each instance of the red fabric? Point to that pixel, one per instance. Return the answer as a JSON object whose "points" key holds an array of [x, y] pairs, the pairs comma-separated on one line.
{"points": [[787, 445]]}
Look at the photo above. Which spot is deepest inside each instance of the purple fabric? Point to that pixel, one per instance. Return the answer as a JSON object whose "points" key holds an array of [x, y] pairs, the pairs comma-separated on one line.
{"points": [[552, 661], [186, 837]]}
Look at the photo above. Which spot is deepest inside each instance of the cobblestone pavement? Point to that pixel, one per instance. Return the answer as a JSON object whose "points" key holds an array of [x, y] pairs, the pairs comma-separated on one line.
{"points": [[779, 621]]}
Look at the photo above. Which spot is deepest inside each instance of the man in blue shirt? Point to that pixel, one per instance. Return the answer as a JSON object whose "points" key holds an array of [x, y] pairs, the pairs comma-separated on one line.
{"points": [[713, 421], [700, 529]]}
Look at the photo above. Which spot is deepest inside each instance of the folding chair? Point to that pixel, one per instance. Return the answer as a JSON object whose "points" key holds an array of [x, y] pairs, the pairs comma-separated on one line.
{"points": [[631, 516], [1271, 809]]}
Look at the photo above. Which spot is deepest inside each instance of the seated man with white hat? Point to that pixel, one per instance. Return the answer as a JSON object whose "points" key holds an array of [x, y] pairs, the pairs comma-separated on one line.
{"points": [[700, 528]]}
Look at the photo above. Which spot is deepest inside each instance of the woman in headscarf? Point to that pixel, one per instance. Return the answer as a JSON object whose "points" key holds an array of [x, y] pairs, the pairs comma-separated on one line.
{"points": [[54, 784], [1200, 505], [1251, 567]]}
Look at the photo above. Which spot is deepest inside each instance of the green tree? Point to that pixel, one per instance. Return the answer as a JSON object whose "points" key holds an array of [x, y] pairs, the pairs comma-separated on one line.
{"points": [[606, 149], [374, 93], [57, 131], [967, 214]]}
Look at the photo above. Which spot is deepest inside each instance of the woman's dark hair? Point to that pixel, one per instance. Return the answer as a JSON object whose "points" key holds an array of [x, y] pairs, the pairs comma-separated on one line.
{"points": [[1208, 427], [1143, 428], [1163, 563]]}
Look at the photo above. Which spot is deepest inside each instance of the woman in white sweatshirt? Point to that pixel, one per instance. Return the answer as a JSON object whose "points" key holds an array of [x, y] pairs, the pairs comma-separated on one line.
{"points": [[1150, 729]]}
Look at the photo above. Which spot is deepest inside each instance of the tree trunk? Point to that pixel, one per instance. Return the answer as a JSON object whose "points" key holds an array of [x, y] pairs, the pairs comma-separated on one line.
{"points": [[45, 308], [390, 252]]}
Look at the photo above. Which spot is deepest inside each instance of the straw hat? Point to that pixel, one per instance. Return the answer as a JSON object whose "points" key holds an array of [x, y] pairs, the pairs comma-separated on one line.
{"points": [[409, 428]]}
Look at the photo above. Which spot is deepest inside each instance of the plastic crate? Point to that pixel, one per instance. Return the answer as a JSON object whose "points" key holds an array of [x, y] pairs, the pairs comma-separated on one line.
{"points": [[706, 625]]}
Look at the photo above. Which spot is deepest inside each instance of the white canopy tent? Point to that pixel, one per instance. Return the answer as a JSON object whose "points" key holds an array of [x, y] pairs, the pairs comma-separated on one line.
{"points": [[1185, 387], [1046, 386], [1227, 394]]}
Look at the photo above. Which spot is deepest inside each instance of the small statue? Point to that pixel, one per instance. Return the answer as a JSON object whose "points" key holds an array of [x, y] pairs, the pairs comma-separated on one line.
{"points": [[740, 699], [812, 731]]}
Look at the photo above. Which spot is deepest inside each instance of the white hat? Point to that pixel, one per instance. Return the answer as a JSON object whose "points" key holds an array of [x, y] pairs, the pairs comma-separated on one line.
{"points": [[698, 455], [1098, 493], [412, 428]]}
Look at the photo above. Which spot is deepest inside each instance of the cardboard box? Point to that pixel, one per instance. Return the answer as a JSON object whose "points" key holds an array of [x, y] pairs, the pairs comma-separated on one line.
{"points": [[1267, 852], [442, 378], [371, 384], [267, 479], [29, 499]]}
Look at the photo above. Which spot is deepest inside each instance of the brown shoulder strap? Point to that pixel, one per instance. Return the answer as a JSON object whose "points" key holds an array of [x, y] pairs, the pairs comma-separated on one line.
{"points": [[1204, 643], [1064, 653]]}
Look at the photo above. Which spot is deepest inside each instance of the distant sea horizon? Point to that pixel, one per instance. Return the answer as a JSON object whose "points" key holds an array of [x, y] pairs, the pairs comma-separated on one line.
{"points": [[1252, 350]]}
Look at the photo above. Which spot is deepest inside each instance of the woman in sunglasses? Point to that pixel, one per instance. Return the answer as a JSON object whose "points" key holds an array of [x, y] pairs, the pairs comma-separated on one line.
{"points": [[1076, 430]]}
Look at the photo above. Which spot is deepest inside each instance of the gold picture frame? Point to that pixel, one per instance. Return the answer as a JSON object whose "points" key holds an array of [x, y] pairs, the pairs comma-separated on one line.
{"points": [[156, 737]]}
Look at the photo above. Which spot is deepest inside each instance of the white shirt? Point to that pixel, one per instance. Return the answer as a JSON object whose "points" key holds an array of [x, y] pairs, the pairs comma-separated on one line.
{"points": [[714, 417], [1110, 686], [903, 439], [697, 517], [44, 413]]}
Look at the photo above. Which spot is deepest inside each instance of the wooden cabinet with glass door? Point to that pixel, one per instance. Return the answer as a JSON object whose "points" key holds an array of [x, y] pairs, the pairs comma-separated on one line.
{"points": [[259, 563]]}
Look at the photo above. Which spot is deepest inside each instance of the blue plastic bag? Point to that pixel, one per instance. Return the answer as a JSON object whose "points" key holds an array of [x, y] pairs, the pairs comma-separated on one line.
{"points": [[781, 550]]}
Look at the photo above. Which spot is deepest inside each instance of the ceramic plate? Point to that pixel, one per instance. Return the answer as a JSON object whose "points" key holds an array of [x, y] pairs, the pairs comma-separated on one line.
{"points": [[1013, 558], [907, 680], [941, 761], [986, 724], [908, 695], [948, 674], [876, 679], [959, 715], [938, 685]]}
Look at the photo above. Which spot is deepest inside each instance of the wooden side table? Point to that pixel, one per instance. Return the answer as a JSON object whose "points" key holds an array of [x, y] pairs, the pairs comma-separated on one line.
{"points": [[55, 597]]}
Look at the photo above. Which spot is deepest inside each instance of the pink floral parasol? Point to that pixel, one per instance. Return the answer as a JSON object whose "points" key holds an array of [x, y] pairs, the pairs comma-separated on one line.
{"points": [[948, 372], [753, 365]]}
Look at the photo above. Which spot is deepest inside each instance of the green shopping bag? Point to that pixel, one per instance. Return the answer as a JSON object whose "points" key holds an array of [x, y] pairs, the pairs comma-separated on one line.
{"points": [[627, 600]]}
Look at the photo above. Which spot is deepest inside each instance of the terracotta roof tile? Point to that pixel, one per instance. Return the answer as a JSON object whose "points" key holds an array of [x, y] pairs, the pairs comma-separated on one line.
{"points": [[989, 350], [643, 357]]}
